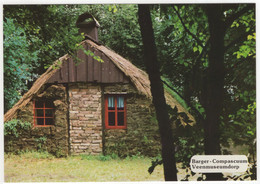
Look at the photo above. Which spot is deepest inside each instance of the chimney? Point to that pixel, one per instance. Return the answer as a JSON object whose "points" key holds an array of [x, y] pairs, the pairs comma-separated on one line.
{"points": [[88, 25]]}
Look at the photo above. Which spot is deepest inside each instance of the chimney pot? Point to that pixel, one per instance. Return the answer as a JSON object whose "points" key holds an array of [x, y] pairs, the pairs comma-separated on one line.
{"points": [[88, 25]]}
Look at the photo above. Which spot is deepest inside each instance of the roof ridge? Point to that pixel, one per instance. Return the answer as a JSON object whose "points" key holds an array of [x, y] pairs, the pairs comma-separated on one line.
{"points": [[145, 84], [138, 77]]}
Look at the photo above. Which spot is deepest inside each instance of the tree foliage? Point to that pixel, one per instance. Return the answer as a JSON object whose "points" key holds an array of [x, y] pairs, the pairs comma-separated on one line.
{"points": [[19, 62], [51, 33], [35, 36], [182, 37], [120, 31]]}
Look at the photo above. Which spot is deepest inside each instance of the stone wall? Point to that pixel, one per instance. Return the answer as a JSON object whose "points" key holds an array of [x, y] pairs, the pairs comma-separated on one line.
{"points": [[53, 139], [85, 119], [85, 132], [142, 134]]}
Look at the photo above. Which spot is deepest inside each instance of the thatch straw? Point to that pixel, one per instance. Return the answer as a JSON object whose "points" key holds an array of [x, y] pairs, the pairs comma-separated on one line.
{"points": [[34, 90], [137, 76]]}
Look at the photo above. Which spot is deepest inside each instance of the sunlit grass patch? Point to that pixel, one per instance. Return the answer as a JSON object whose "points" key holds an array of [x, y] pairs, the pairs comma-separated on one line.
{"points": [[38, 167]]}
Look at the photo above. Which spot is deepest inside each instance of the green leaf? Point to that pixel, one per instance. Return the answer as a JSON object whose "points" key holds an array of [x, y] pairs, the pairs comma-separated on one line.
{"points": [[205, 64], [250, 132], [200, 49], [249, 37], [115, 9]]}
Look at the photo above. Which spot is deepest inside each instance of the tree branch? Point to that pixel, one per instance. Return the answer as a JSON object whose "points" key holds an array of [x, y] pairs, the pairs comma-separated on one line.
{"points": [[237, 40], [186, 29], [232, 18]]}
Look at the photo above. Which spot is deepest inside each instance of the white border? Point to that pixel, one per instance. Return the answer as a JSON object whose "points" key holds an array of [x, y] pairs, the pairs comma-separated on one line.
{"points": [[13, 2], [122, 1], [257, 89], [1, 99]]}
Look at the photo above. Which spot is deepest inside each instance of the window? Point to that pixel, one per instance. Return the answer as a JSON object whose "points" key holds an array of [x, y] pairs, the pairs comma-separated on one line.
{"points": [[43, 113], [115, 112]]}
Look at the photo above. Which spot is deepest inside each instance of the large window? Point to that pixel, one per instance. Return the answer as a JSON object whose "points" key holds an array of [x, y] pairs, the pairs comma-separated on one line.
{"points": [[115, 112], [43, 113]]}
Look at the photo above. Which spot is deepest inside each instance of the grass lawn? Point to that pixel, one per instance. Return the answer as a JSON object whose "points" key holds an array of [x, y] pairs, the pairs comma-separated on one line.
{"points": [[43, 167], [38, 167]]}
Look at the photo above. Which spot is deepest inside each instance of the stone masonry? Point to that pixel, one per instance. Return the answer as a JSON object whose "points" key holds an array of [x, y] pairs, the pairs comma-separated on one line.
{"points": [[78, 123], [56, 136], [85, 116], [142, 134]]}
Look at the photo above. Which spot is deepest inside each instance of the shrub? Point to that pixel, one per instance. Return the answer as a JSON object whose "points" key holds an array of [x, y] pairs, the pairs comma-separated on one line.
{"points": [[59, 153], [14, 127], [40, 143]]}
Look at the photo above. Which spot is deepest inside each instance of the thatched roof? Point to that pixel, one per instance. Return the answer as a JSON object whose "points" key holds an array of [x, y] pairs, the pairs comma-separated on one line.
{"points": [[138, 77], [34, 90]]}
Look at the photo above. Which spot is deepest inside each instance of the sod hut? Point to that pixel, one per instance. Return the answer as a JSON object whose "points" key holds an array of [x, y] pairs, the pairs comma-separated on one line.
{"points": [[98, 103]]}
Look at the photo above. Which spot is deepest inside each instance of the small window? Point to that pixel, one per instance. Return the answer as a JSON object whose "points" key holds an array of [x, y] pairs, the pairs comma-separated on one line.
{"points": [[43, 113], [115, 112]]}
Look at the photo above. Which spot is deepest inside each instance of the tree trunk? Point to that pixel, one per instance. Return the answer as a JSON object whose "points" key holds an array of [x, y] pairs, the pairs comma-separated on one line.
{"points": [[157, 90], [214, 85]]}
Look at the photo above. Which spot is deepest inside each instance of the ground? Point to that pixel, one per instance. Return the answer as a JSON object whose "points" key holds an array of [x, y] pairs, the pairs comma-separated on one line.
{"points": [[34, 167], [43, 167]]}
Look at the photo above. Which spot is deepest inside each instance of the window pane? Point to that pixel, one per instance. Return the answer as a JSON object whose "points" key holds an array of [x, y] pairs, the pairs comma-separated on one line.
{"points": [[111, 118], [49, 121], [48, 112], [120, 119], [120, 103], [39, 113], [49, 104], [111, 103], [39, 104], [40, 121]]}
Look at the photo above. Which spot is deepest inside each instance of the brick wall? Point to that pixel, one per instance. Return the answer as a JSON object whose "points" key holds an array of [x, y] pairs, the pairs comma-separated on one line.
{"points": [[85, 119]]}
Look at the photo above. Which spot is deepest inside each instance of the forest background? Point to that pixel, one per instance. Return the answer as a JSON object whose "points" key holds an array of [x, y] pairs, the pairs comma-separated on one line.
{"points": [[36, 35]]}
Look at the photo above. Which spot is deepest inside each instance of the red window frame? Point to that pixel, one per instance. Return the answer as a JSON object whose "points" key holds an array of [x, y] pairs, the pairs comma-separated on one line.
{"points": [[116, 126], [42, 117]]}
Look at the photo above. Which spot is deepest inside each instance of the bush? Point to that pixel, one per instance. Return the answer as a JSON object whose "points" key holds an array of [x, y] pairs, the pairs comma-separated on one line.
{"points": [[40, 143], [15, 126]]}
